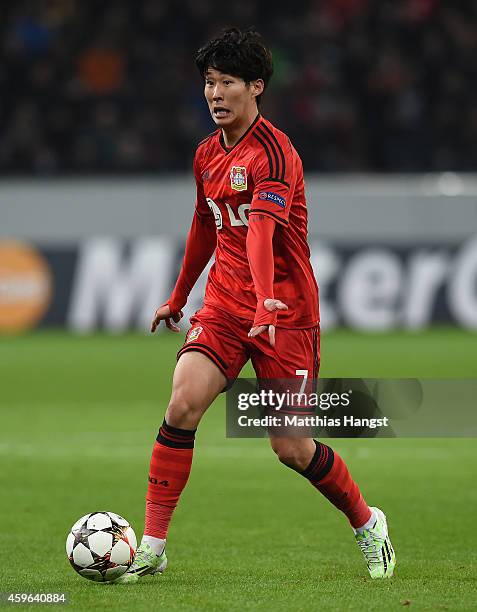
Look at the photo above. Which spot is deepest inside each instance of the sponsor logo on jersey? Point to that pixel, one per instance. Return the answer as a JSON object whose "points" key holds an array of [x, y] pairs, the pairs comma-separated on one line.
{"points": [[194, 333], [217, 213], [238, 178], [273, 197]]}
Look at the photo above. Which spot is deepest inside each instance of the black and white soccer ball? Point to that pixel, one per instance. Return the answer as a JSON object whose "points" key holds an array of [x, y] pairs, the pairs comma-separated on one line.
{"points": [[101, 546]]}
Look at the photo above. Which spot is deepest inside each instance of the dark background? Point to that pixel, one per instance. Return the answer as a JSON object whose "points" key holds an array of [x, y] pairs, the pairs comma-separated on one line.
{"points": [[359, 85]]}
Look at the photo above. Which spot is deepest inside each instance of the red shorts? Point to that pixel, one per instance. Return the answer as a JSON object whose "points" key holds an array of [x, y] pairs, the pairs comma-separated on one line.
{"points": [[223, 338]]}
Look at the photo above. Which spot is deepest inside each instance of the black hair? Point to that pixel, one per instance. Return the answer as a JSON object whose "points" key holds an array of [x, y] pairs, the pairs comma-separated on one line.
{"points": [[239, 53]]}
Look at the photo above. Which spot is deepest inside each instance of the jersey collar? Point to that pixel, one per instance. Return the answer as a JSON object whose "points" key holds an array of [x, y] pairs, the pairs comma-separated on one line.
{"points": [[244, 135]]}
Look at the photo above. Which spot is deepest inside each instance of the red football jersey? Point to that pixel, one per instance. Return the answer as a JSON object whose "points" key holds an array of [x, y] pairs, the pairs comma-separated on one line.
{"points": [[263, 175]]}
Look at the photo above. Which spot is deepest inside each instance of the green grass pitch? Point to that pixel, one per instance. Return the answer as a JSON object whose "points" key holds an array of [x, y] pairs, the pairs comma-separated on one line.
{"points": [[78, 419]]}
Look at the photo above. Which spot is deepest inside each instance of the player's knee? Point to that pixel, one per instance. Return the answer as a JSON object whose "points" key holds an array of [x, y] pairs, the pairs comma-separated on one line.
{"points": [[182, 411], [290, 453], [285, 451]]}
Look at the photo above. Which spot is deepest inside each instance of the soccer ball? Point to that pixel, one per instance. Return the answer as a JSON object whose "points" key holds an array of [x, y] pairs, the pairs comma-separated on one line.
{"points": [[101, 546]]}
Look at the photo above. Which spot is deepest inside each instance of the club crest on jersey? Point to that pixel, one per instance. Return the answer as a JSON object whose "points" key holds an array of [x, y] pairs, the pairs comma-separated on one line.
{"points": [[194, 334], [238, 178]]}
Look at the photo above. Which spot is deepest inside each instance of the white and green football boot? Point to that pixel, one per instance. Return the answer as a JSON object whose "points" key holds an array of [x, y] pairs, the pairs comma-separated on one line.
{"points": [[146, 562], [377, 548]]}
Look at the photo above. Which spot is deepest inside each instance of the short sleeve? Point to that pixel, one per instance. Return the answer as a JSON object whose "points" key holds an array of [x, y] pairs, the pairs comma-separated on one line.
{"points": [[274, 175], [201, 206]]}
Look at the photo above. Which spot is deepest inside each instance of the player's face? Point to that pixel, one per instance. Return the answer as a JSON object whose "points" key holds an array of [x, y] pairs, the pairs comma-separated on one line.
{"points": [[231, 101]]}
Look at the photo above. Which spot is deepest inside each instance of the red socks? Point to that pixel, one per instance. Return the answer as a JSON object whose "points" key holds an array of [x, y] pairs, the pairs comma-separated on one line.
{"points": [[170, 468], [168, 474], [328, 473]]}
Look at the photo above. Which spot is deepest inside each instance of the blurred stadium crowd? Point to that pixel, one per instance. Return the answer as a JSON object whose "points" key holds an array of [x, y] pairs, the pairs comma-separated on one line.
{"points": [[359, 85]]}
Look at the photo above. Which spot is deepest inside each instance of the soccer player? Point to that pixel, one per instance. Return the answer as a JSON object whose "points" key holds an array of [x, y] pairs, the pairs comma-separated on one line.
{"points": [[261, 300]]}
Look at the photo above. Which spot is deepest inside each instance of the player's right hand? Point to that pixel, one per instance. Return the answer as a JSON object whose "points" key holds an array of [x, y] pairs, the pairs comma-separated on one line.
{"points": [[163, 313]]}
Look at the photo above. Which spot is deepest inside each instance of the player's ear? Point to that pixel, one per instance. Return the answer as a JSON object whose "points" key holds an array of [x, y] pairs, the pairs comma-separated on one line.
{"points": [[257, 87]]}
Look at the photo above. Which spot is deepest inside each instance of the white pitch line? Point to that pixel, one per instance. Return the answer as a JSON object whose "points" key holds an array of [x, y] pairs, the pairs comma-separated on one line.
{"points": [[78, 449]]}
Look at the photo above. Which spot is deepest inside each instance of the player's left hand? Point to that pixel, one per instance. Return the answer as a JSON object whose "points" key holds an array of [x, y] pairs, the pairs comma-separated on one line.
{"points": [[271, 305]]}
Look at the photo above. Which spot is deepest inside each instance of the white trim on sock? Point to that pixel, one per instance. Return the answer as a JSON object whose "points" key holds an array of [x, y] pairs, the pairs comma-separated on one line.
{"points": [[369, 523], [156, 544]]}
